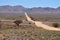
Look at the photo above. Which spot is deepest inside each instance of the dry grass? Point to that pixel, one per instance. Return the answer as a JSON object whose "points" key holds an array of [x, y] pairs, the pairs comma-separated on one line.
{"points": [[29, 33]]}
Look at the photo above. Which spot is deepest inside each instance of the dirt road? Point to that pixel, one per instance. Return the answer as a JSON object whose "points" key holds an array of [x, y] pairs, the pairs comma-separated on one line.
{"points": [[40, 24]]}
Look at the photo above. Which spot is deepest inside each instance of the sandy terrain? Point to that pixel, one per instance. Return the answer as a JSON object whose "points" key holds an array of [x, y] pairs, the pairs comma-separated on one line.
{"points": [[40, 24]]}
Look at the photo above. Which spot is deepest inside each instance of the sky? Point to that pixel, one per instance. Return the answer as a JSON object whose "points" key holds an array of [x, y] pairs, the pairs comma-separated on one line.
{"points": [[31, 3]]}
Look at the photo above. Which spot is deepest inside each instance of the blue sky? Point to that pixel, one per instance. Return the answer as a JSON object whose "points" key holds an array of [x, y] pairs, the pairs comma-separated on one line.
{"points": [[31, 3]]}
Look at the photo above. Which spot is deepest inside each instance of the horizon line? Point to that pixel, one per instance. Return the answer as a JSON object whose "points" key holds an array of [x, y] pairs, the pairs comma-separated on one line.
{"points": [[32, 7]]}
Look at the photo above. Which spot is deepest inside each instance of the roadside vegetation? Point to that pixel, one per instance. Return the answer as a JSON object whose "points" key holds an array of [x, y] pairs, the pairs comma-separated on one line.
{"points": [[29, 33], [55, 25], [17, 22]]}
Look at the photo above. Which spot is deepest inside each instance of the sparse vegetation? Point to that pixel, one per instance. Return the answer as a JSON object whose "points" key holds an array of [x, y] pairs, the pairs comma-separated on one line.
{"points": [[30, 33], [55, 24], [0, 24], [17, 22], [32, 18], [29, 22]]}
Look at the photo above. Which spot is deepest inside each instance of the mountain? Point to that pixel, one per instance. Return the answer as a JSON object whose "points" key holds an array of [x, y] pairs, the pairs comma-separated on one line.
{"points": [[11, 9], [21, 9]]}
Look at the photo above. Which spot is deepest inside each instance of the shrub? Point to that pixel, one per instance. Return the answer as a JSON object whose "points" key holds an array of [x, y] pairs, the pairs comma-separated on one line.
{"points": [[55, 24], [32, 18], [29, 22], [17, 22], [0, 24]]}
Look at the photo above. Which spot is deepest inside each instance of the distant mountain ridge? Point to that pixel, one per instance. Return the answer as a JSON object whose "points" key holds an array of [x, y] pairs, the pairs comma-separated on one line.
{"points": [[21, 9]]}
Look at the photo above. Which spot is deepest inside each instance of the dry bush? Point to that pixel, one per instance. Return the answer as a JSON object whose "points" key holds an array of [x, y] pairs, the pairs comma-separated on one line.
{"points": [[55, 24], [17, 22]]}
